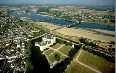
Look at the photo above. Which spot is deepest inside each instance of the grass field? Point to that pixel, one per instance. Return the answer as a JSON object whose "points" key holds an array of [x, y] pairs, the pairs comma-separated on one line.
{"points": [[65, 49], [48, 52], [96, 62], [75, 67], [52, 57], [57, 46]]}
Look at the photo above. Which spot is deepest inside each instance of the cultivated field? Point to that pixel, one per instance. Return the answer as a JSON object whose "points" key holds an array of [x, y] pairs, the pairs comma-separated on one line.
{"points": [[96, 62], [75, 67], [65, 49]]}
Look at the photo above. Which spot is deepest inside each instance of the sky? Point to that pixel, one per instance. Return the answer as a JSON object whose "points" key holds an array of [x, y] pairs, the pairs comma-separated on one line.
{"points": [[75, 2]]}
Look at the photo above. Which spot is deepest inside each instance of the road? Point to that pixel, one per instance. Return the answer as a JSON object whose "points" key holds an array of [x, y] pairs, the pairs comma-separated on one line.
{"points": [[77, 59]]}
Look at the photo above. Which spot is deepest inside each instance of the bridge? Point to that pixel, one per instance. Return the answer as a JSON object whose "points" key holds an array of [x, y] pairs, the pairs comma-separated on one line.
{"points": [[48, 19], [67, 26]]}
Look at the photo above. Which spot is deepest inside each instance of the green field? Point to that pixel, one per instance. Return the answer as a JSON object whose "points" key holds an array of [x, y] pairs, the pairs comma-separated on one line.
{"points": [[48, 52], [57, 46], [52, 57], [65, 49], [75, 67], [96, 62]]}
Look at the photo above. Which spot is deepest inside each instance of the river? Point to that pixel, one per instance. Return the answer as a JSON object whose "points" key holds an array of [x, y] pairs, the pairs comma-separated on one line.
{"points": [[34, 16]]}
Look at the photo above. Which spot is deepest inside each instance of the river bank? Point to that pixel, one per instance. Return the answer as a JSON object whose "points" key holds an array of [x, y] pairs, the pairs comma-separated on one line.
{"points": [[79, 32]]}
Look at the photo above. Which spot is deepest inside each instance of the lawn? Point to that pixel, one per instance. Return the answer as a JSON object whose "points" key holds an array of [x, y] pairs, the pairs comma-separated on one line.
{"points": [[65, 49], [48, 52], [57, 46], [75, 67], [52, 57], [96, 62]]}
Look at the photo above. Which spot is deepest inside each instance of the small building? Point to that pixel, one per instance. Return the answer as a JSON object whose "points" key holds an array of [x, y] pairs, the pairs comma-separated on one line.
{"points": [[18, 46]]}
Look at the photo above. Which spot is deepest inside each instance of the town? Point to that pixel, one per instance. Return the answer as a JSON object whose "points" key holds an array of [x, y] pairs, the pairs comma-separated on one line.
{"points": [[14, 35], [28, 46], [75, 14]]}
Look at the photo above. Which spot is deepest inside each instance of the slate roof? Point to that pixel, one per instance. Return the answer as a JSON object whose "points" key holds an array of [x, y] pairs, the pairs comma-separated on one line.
{"points": [[49, 36], [45, 43]]}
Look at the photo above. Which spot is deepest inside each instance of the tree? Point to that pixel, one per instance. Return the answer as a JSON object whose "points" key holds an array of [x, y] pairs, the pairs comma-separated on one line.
{"points": [[29, 66], [57, 57], [82, 40], [112, 42]]}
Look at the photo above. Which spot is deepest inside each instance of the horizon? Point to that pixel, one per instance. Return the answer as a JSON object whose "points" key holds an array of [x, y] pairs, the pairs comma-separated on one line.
{"points": [[59, 2]]}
